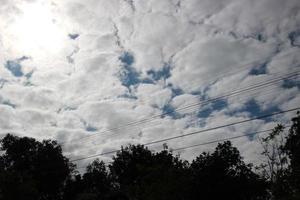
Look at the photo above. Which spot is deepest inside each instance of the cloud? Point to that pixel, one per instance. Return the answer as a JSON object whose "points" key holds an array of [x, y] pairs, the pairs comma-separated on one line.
{"points": [[7, 117], [113, 63], [159, 96], [185, 100]]}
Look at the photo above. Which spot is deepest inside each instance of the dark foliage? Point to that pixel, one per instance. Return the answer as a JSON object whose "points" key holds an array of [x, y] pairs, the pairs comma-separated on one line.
{"points": [[223, 175], [38, 171], [282, 165], [94, 184], [292, 148], [32, 170], [142, 174]]}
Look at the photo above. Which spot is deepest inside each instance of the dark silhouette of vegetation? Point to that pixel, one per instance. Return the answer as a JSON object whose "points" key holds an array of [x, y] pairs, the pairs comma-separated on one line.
{"points": [[282, 166], [35, 170], [292, 148], [274, 169], [96, 183], [32, 170], [224, 175], [142, 174]]}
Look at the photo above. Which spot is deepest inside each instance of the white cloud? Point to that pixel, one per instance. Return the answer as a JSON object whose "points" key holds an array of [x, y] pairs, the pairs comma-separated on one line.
{"points": [[209, 46], [153, 95], [211, 58], [6, 118]]}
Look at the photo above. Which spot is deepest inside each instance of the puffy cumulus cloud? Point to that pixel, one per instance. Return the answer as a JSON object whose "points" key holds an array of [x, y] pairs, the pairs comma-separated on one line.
{"points": [[207, 59], [93, 78], [258, 18], [94, 66], [186, 101], [160, 44], [153, 95], [37, 119], [7, 118]]}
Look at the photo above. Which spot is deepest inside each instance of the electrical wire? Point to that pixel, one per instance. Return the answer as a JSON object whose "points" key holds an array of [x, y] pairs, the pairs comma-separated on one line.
{"points": [[195, 132], [234, 92]]}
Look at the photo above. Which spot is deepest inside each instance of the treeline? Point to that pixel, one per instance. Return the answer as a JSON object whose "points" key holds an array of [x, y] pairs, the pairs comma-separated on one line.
{"points": [[33, 170]]}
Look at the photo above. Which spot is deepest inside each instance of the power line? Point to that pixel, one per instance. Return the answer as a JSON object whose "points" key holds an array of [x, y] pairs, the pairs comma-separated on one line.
{"points": [[252, 95], [222, 126], [264, 93], [211, 142], [193, 133], [204, 102], [214, 141], [243, 68], [97, 144], [254, 62], [221, 140]]}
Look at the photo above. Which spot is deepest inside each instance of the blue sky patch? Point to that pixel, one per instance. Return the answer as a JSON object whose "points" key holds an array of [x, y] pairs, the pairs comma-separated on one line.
{"points": [[260, 69], [128, 76], [147, 81], [169, 110], [254, 110], [260, 37], [295, 38], [29, 75], [8, 103], [214, 106], [164, 73], [14, 67], [196, 93], [73, 36], [127, 58], [252, 107], [90, 128], [290, 83], [175, 91]]}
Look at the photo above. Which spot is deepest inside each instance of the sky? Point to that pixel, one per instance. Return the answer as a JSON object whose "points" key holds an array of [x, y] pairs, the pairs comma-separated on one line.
{"points": [[97, 74]]}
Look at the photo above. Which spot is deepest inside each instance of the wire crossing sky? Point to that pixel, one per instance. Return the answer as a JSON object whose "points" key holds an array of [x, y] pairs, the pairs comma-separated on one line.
{"points": [[204, 102], [197, 132], [96, 74]]}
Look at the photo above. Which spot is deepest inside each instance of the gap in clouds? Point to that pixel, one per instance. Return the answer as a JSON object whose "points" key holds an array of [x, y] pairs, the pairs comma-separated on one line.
{"points": [[123, 61]]}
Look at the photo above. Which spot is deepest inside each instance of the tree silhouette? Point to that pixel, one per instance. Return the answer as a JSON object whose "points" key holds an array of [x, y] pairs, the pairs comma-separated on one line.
{"points": [[274, 168], [282, 165], [292, 148], [142, 174], [224, 175], [94, 184], [32, 170]]}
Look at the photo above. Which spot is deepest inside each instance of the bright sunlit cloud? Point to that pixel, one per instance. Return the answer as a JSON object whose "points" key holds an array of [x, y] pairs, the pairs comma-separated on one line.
{"points": [[35, 31], [72, 68]]}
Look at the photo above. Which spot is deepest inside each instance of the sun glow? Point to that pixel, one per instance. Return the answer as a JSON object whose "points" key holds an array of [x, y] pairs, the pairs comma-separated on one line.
{"points": [[35, 30]]}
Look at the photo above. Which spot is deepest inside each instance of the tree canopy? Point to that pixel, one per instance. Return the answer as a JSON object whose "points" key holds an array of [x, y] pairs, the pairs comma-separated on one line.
{"points": [[34, 170], [223, 174]]}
